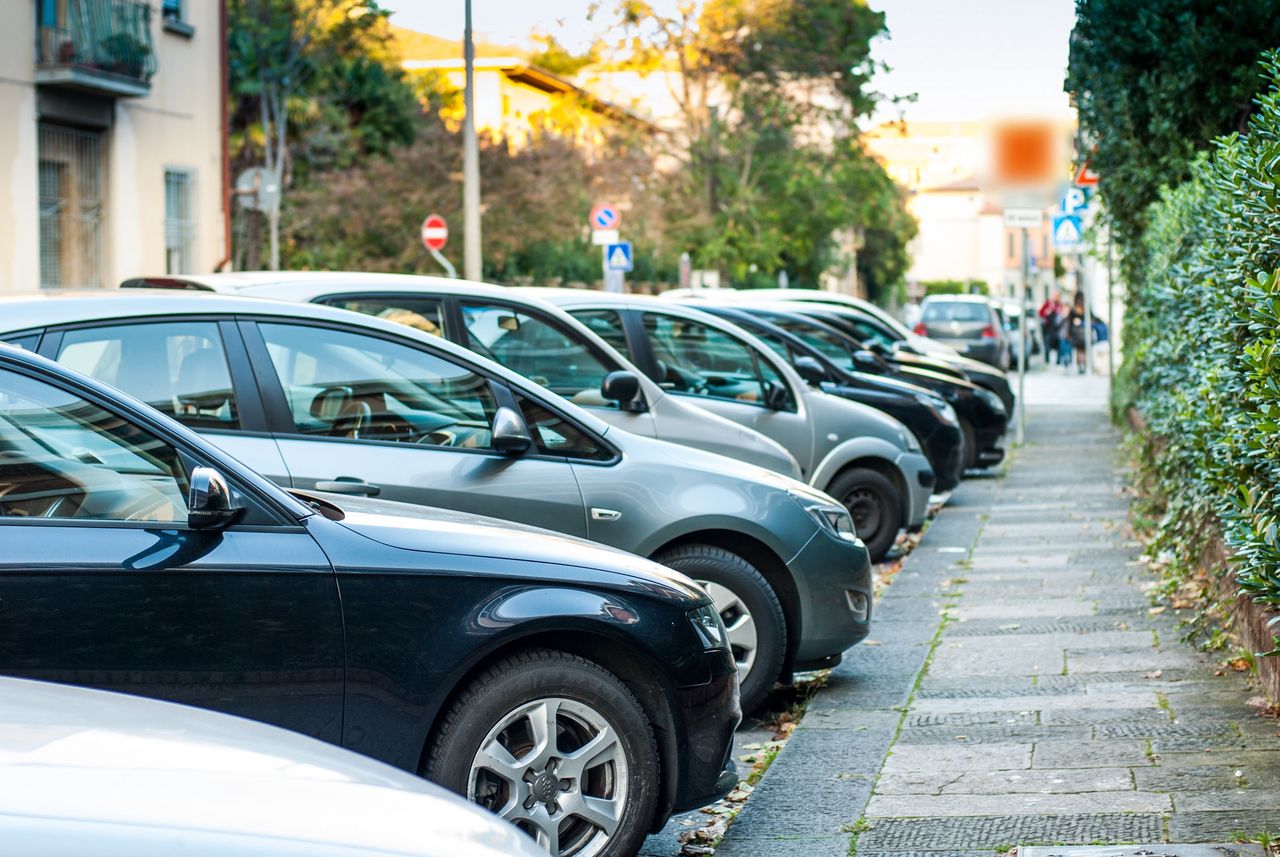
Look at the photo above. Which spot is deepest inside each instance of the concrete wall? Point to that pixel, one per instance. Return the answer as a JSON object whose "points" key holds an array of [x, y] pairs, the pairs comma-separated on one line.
{"points": [[176, 125]]}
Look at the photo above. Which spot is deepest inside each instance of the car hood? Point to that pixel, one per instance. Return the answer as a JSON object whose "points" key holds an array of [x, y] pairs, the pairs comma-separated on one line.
{"points": [[435, 530], [143, 771]]}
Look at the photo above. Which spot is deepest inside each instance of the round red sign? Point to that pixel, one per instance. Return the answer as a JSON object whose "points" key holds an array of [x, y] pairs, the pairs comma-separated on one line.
{"points": [[435, 232]]}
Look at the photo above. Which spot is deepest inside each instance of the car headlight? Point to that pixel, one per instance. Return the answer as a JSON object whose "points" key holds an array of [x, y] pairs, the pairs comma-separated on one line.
{"points": [[990, 399], [835, 520], [709, 628], [939, 409], [909, 439]]}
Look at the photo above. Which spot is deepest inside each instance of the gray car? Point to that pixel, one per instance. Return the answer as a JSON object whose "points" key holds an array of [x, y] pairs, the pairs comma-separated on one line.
{"points": [[523, 333], [88, 772], [322, 398], [865, 458], [968, 323]]}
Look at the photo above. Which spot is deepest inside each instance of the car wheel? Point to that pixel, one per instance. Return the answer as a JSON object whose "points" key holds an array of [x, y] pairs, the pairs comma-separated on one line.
{"points": [[872, 499], [749, 608], [970, 458], [556, 745]]}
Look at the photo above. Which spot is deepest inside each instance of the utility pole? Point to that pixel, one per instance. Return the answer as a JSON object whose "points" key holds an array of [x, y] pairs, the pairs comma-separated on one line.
{"points": [[1083, 285], [470, 164], [1111, 313], [1022, 331]]}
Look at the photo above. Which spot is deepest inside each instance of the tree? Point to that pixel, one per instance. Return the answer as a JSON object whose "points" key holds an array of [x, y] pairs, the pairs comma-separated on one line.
{"points": [[1153, 84], [321, 67]]}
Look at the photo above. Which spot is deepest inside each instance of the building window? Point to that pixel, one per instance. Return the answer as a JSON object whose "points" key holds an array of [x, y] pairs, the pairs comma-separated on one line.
{"points": [[71, 189], [179, 229], [171, 10]]}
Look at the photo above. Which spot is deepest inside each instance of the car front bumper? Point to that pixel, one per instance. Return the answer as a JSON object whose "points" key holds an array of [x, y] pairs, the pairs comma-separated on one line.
{"points": [[921, 480], [945, 449], [707, 715], [834, 579]]}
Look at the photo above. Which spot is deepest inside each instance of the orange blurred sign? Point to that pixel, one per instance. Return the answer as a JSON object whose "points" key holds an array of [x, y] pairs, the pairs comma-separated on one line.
{"points": [[1026, 153], [1085, 176]]}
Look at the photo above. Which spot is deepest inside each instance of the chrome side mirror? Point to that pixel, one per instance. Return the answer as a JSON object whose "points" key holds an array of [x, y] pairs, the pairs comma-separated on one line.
{"points": [[209, 502], [510, 435]]}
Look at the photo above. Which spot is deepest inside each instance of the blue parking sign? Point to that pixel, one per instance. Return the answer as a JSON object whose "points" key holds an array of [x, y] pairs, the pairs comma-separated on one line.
{"points": [[617, 257]]}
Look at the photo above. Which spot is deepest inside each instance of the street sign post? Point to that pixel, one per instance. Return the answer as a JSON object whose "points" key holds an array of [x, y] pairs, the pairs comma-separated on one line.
{"points": [[1068, 233], [435, 234], [603, 220], [617, 257], [601, 237], [604, 215], [1085, 176], [1023, 218]]}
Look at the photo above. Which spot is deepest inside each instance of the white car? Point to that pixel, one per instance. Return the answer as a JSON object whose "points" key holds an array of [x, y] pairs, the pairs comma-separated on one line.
{"points": [[88, 772]]}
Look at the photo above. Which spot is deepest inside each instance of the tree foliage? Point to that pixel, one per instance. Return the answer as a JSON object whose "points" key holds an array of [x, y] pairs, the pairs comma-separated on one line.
{"points": [[1202, 352], [1153, 84]]}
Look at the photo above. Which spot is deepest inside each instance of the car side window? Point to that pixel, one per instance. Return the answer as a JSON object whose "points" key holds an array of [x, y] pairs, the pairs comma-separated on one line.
{"points": [[872, 333], [349, 385], [28, 342], [177, 367], [539, 349], [606, 324], [701, 360], [64, 457], [555, 435], [420, 313]]}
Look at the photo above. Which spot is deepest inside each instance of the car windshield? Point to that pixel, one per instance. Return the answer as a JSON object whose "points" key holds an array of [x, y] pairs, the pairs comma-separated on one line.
{"points": [[961, 311], [832, 346]]}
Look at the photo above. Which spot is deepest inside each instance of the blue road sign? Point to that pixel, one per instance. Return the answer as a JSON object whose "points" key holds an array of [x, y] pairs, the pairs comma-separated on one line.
{"points": [[1068, 233], [1074, 200], [617, 257]]}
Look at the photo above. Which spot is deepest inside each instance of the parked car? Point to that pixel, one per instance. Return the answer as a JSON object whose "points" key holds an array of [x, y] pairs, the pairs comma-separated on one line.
{"points": [[523, 333], [907, 338], [884, 341], [926, 413], [866, 459], [982, 417], [322, 398], [580, 692], [967, 323], [88, 772]]}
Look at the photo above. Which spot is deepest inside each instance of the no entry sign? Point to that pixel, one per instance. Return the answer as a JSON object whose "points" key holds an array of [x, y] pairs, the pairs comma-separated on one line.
{"points": [[435, 232], [604, 216]]}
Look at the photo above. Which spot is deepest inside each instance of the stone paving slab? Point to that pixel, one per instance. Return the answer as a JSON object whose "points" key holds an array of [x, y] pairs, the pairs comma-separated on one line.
{"points": [[1065, 780], [1002, 831], [939, 806], [1155, 849]]}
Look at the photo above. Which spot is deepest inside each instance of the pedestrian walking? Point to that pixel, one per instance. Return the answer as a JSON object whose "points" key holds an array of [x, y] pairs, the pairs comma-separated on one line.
{"points": [[1049, 314], [1078, 333]]}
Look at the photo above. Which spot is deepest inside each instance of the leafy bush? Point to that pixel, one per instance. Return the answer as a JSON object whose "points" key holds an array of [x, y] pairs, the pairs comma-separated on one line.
{"points": [[1202, 361], [955, 287]]}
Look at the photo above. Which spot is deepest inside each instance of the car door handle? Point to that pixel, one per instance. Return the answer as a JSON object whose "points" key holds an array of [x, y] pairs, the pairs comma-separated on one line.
{"points": [[598, 514], [349, 485]]}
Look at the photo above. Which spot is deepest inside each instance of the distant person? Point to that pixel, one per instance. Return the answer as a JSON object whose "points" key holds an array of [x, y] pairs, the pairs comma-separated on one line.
{"points": [[1079, 334], [1050, 317]]}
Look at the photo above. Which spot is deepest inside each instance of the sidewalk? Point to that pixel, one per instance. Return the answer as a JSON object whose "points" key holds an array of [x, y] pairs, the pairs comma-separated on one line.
{"points": [[1017, 690]]}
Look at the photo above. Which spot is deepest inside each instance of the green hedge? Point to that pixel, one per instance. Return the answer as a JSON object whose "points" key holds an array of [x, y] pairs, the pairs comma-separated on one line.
{"points": [[954, 287], [1202, 361]]}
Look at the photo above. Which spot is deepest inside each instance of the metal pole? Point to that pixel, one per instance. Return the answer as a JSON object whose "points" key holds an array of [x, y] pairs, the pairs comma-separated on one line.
{"points": [[445, 263], [1111, 314], [470, 165], [1088, 317], [1022, 346]]}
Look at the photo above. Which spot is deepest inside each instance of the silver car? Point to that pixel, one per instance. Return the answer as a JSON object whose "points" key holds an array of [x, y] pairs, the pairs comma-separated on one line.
{"points": [[90, 772], [326, 399], [523, 333], [865, 458]]}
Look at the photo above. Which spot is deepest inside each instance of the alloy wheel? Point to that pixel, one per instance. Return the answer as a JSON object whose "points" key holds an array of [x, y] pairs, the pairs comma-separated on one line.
{"points": [[740, 624], [864, 507], [555, 768]]}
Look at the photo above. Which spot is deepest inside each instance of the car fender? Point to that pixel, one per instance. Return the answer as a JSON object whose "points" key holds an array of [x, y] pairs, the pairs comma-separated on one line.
{"points": [[852, 450], [766, 532]]}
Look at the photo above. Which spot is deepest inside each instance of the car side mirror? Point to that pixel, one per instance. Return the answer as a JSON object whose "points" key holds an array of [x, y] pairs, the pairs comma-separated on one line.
{"points": [[622, 387], [810, 370], [209, 502], [510, 435], [879, 348], [775, 396], [866, 360]]}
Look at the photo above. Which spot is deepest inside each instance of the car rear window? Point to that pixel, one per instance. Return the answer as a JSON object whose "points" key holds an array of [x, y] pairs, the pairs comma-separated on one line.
{"points": [[955, 311]]}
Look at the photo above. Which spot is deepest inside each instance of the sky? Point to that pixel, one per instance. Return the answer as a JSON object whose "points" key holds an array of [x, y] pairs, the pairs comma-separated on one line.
{"points": [[964, 59]]}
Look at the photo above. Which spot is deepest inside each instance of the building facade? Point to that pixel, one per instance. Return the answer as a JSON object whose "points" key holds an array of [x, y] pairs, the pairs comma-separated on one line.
{"points": [[111, 164]]}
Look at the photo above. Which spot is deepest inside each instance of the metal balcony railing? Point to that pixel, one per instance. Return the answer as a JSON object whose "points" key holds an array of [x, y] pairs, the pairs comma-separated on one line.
{"points": [[100, 45]]}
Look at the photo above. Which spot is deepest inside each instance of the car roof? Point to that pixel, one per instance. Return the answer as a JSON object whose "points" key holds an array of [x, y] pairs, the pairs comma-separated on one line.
{"points": [[73, 756], [973, 299], [20, 313], [234, 281]]}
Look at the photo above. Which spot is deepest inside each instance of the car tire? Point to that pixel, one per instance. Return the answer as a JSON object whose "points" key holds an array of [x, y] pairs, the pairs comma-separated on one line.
{"points": [[970, 445], [874, 502], [750, 609], [487, 749]]}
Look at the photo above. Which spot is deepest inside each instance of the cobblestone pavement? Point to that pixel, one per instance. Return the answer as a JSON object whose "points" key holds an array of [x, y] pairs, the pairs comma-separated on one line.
{"points": [[1016, 689]]}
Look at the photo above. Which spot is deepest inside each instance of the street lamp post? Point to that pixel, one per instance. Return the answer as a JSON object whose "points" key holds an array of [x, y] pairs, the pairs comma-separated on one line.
{"points": [[470, 164]]}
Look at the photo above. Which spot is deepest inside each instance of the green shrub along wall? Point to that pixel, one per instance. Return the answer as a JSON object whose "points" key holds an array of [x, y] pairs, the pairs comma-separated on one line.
{"points": [[1202, 358]]}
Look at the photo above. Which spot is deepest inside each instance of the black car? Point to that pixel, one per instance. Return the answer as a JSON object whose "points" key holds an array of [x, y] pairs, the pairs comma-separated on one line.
{"points": [[982, 416], [580, 692], [930, 418], [876, 335]]}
